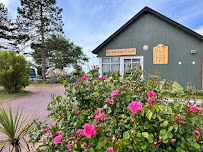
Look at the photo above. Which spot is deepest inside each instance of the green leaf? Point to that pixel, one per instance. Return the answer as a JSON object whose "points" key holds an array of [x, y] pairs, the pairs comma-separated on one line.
{"points": [[96, 93], [145, 134], [170, 128], [143, 147], [196, 145], [165, 123], [149, 115], [126, 135], [176, 128]]}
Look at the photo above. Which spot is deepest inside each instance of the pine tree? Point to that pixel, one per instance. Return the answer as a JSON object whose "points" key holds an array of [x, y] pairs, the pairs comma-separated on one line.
{"points": [[8, 31], [40, 19]]}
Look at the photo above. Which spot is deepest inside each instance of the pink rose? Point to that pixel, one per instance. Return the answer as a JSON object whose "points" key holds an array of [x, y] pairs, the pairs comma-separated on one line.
{"points": [[85, 144], [193, 109], [182, 121], [72, 138], [79, 137], [62, 144], [84, 78], [95, 123], [58, 133], [197, 132], [102, 78], [92, 116], [76, 112], [177, 117], [102, 119], [44, 143], [173, 140], [57, 139], [70, 146], [133, 119], [150, 94], [45, 130], [79, 131], [107, 107], [100, 109], [96, 117], [90, 86], [107, 100], [111, 101], [89, 130], [114, 92], [109, 150], [150, 100], [123, 75], [122, 87], [135, 107]]}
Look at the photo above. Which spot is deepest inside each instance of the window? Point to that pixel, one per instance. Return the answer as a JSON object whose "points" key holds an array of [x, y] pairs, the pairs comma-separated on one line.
{"points": [[111, 64]]}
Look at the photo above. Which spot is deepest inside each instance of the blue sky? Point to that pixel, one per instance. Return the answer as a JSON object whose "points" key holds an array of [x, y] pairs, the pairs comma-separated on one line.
{"points": [[89, 22]]}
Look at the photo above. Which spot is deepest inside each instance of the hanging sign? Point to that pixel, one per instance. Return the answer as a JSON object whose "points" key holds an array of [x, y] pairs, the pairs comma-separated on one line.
{"points": [[160, 54], [117, 52]]}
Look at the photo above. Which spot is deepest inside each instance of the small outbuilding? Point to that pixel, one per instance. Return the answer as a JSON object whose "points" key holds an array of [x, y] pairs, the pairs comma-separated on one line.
{"points": [[157, 43]]}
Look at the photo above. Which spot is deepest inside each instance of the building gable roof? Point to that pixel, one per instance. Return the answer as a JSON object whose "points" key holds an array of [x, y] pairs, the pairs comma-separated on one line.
{"points": [[144, 10]]}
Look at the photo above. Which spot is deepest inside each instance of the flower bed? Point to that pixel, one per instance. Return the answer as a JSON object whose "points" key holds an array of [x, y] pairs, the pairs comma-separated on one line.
{"points": [[120, 116]]}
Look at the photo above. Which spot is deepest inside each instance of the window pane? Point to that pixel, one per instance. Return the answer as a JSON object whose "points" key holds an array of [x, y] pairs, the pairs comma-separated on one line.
{"points": [[105, 69], [105, 60], [115, 68], [136, 60], [115, 60], [127, 60], [127, 66], [137, 65]]}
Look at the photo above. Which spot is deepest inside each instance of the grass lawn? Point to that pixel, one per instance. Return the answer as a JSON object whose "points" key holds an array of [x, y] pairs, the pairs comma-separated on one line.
{"points": [[7, 98], [32, 88]]}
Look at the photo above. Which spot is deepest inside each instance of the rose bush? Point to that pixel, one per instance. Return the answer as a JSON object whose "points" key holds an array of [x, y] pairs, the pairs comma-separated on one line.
{"points": [[120, 113]]}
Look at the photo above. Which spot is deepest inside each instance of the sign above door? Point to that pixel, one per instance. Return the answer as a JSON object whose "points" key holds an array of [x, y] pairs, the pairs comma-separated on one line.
{"points": [[118, 52]]}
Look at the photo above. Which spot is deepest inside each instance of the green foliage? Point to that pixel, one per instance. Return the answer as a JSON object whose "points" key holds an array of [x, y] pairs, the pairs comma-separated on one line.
{"points": [[94, 70], [190, 90], [61, 53], [13, 129], [13, 72], [150, 129], [8, 30], [176, 89]]}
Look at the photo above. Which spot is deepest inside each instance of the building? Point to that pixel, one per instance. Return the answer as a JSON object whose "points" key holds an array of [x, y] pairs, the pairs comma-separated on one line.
{"points": [[158, 44]]}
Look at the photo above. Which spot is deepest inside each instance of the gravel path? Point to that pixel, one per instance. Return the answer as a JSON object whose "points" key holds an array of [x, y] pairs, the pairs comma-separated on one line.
{"points": [[36, 104]]}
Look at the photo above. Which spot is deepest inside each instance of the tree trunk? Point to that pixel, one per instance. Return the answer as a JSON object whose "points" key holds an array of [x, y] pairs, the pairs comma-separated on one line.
{"points": [[43, 49]]}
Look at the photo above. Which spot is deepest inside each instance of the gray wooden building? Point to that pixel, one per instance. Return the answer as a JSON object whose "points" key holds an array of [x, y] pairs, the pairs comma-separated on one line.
{"points": [[158, 44]]}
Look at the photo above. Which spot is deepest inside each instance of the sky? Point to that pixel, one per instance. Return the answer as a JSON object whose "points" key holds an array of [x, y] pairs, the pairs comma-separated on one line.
{"points": [[89, 22]]}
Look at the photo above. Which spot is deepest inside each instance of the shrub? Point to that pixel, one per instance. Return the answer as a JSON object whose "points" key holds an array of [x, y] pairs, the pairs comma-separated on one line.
{"points": [[176, 89], [13, 72], [190, 90], [122, 114]]}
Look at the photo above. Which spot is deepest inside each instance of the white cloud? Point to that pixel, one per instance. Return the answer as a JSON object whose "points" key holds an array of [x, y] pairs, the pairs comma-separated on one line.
{"points": [[199, 30], [6, 2]]}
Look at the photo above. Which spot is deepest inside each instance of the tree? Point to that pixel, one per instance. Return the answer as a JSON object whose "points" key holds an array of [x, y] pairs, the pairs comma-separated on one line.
{"points": [[13, 72], [8, 30], [61, 53], [40, 19]]}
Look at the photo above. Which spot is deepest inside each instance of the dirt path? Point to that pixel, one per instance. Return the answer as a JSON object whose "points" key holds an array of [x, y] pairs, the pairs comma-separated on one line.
{"points": [[36, 104]]}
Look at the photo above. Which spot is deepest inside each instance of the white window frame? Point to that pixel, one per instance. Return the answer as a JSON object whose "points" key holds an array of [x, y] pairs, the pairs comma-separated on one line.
{"points": [[130, 57], [121, 63]]}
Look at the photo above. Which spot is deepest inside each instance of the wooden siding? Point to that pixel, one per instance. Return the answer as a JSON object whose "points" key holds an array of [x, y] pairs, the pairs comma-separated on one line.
{"points": [[151, 30]]}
